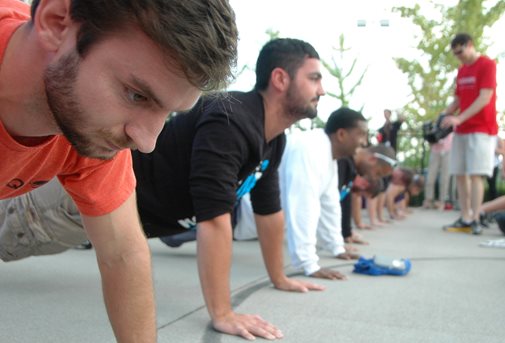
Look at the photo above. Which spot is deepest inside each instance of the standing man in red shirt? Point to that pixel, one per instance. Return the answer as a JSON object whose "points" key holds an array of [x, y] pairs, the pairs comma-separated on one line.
{"points": [[475, 128]]}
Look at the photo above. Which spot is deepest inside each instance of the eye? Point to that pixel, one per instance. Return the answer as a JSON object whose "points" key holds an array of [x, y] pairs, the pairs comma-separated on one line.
{"points": [[134, 96]]}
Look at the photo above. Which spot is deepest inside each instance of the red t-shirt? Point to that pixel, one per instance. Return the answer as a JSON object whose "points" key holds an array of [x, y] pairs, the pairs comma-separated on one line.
{"points": [[98, 187], [470, 80]]}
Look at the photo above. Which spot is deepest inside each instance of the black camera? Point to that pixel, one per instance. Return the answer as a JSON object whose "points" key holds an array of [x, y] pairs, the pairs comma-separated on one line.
{"points": [[433, 131]]}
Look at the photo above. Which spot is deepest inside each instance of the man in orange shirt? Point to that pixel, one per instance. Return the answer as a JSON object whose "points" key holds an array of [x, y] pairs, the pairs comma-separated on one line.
{"points": [[81, 83]]}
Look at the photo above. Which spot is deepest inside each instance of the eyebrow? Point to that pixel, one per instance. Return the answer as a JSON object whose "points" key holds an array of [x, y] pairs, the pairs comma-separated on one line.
{"points": [[147, 90], [316, 74]]}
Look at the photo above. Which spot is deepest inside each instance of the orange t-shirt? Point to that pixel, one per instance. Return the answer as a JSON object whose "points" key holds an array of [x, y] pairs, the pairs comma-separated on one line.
{"points": [[98, 187]]}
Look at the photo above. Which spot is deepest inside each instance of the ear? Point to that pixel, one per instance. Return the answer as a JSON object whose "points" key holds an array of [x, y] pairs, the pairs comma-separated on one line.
{"points": [[341, 133], [52, 22], [279, 79]]}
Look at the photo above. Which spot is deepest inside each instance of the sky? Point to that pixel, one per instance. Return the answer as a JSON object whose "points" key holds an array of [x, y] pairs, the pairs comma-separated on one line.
{"points": [[320, 22]]}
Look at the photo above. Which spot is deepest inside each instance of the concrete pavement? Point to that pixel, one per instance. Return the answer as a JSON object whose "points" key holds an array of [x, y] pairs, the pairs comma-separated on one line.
{"points": [[455, 292]]}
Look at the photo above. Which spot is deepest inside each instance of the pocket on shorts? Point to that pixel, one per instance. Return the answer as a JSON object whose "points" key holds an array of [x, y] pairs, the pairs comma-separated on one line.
{"points": [[17, 239]]}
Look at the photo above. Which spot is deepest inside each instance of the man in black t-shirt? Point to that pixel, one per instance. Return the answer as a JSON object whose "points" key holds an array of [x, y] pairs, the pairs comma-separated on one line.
{"points": [[207, 159]]}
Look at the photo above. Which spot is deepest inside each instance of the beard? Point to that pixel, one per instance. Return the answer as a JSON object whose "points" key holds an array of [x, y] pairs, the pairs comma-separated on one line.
{"points": [[60, 79], [297, 107]]}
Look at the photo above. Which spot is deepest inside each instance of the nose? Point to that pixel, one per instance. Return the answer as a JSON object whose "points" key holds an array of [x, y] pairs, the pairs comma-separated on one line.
{"points": [[321, 90], [145, 130]]}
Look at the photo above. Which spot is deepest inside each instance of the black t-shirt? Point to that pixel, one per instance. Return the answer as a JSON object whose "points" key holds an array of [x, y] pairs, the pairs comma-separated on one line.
{"points": [[204, 161]]}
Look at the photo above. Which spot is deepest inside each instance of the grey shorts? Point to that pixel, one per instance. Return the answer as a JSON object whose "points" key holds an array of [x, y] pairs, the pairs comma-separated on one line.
{"points": [[42, 222], [472, 154]]}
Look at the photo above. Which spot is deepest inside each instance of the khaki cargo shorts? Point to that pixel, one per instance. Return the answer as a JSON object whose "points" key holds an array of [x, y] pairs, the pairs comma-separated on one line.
{"points": [[472, 154], [42, 222]]}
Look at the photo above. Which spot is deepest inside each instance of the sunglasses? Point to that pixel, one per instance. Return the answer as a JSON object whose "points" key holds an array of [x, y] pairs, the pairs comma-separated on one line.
{"points": [[388, 160], [458, 52]]}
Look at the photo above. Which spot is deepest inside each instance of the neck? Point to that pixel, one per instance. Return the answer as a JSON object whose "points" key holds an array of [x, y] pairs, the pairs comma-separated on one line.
{"points": [[335, 153], [474, 57], [276, 118], [23, 104]]}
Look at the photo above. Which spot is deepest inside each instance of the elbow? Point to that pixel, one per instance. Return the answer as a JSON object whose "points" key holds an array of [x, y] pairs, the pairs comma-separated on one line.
{"points": [[126, 255]]}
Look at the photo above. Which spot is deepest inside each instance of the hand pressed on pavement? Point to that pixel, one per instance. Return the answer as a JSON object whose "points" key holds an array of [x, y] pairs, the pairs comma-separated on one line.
{"points": [[347, 256], [248, 326], [350, 248], [325, 273], [355, 240], [292, 285], [363, 226]]}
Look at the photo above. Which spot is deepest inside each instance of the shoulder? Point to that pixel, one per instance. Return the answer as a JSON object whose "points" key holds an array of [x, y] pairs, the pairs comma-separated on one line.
{"points": [[487, 60], [485, 63], [14, 9], [242, 109], [309, 138], [312, 144], [232, 102]]}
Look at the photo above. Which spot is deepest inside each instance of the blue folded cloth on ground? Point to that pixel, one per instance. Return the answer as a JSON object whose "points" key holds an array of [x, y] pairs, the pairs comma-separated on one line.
{"points": [[382, 265]]}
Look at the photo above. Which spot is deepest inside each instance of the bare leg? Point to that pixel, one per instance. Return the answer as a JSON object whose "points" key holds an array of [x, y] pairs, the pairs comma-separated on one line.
{"points": [[463, 183], [477, 195], [381, 201]]}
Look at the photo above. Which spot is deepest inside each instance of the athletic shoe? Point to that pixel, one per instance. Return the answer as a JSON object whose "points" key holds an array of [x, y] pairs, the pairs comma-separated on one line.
{"points": [[476, 228], [485, 219], [179, 239], [84, 246], [458, 224], [448, 206], [493, 243]]}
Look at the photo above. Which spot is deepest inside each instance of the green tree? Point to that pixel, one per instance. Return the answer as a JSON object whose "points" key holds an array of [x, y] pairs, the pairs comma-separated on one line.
{"points": [[344, 76], [431, 75]]}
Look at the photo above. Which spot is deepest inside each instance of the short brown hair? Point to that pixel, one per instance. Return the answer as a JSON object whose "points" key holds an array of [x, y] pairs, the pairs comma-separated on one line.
{"points": [[200, 35]]}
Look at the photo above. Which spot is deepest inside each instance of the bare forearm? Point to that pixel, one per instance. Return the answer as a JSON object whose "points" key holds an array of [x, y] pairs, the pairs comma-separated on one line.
{"points": [[124, 260], [479, 103], [482, 100], [372, 205], [271, 237], [390, 205], [128, 293], [356, 209], [214, 262], [453, 107]]}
